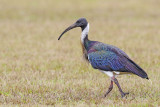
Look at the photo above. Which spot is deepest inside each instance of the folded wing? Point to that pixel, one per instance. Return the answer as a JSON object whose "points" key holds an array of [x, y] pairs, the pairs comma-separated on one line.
{"points": [[112, 60]]}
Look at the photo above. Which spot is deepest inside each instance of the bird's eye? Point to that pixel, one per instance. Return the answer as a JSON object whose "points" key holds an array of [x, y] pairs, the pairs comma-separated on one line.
{"points": [[78, 21]]}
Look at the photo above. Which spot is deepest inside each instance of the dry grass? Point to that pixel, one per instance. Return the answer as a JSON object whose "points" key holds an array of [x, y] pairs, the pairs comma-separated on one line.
{"points": [[36, 68]]}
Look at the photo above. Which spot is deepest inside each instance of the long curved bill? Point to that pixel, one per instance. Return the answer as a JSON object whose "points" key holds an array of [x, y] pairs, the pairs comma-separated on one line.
{"points": [[69, 28]]}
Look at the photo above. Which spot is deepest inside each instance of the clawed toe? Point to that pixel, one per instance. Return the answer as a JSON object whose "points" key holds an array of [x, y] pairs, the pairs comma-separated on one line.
{"points": [[105, 95], [123, 94]]}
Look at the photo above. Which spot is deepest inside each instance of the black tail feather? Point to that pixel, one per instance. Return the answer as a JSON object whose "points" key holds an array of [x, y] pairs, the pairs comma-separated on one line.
{"points": [[136, 69]]}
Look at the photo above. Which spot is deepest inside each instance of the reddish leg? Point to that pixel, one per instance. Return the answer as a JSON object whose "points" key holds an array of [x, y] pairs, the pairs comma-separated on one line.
{"points": [[109, 89], [119, 87]]}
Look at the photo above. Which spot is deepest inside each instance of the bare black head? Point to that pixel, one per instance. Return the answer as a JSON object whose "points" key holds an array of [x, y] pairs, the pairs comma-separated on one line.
{"points": [[82, 22]]}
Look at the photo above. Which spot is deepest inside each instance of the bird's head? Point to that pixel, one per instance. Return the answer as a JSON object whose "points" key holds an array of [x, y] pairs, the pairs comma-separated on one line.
{"points": [[82, 22]]}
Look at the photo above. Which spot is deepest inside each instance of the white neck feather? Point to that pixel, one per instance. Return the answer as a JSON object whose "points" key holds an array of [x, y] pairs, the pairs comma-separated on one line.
{"points": [[84, 33]]}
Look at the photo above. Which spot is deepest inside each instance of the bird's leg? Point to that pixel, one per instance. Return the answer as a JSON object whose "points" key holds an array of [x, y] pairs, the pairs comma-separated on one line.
{"points": [[119, 87], [109, 89]]}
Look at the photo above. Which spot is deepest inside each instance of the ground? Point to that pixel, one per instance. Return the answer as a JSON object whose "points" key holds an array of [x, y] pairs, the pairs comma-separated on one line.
{"points": [[37, 69]]}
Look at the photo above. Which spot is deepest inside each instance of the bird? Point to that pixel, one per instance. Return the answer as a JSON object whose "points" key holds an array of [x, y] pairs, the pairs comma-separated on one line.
{"points": [[106, 58]]}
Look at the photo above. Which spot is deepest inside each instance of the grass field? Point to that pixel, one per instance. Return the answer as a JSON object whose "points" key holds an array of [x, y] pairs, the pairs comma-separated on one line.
{"points": [[37, 69]]}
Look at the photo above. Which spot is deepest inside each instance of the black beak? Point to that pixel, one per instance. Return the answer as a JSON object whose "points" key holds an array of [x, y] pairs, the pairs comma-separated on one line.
{"points": [[69, 28]]}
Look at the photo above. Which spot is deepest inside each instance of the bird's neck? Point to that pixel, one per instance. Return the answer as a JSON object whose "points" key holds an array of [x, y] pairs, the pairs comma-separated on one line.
{"points": [[85, 41], [84, 36]]}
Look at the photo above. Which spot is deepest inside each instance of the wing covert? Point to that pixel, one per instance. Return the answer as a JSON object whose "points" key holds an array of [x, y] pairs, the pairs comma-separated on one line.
{"points": [[105, 60]]}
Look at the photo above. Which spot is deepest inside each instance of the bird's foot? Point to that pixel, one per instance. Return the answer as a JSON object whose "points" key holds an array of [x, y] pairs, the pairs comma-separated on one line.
{"points": [[123, 94], [105, 95]]}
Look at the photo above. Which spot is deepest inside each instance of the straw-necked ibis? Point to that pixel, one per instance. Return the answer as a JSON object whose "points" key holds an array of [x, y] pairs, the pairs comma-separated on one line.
{"points": [[106, 58]]}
